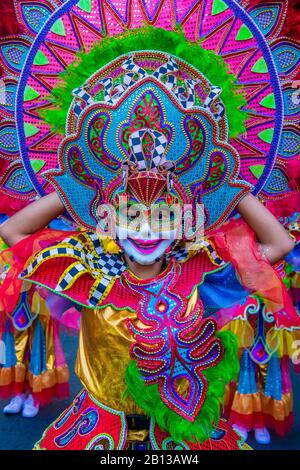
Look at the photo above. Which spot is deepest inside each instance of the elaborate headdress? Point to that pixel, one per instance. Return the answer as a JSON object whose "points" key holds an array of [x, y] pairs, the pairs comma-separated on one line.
{"points": [[152, 110], [157, 125]]}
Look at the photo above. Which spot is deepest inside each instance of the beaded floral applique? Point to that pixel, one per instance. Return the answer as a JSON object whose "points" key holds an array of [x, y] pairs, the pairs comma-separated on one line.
{"points": [[172, 346]]}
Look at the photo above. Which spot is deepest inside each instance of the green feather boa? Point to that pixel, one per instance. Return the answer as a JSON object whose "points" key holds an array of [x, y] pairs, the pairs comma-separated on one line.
{"points": [[148, 398], [208, 63]]}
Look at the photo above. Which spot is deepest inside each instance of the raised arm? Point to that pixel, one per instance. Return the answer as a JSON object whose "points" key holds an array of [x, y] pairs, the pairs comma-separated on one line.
{"points": [[31, 219], [275, 240]]}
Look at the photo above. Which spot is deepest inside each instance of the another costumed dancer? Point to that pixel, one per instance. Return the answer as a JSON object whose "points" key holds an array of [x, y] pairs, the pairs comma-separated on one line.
{"points": [[33, 370], [153, 127], [262, 399]]}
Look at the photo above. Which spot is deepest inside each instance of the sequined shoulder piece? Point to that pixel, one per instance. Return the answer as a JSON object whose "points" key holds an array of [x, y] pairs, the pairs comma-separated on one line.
{"points": [[78, 268]]}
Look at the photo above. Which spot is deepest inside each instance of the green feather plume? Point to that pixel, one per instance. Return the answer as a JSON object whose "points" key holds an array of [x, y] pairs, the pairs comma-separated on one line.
{"points": [[148, 398], [86, 64]]}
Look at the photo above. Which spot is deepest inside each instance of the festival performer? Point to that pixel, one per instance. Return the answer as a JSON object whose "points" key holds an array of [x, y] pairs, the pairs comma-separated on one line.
{"points": [[148, 117], [143, 266], [141, 315], [33, 369], [262, 400], [292, 267]]}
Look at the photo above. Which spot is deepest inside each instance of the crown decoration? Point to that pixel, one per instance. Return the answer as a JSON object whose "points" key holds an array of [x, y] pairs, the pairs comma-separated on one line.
{"points": [[147, 186]]}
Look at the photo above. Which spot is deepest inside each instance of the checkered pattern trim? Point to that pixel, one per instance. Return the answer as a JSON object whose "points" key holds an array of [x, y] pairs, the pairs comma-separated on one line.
{"points": [[59, 251], [128, 79], [186, 97], [111, 92], [171, 82], [95, 242], [214, 93], [111, 265], [136, 145], [99, 289], [213, 255], [74, 242], [89, 258], [169, 67], [69, 276], [82, 97], [134, 73], [130, 66], [182, 254], [107, 84]]}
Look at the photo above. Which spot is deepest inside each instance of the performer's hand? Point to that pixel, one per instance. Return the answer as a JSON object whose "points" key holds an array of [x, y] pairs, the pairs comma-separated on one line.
{"points": [[31, 219], [275, 240]]}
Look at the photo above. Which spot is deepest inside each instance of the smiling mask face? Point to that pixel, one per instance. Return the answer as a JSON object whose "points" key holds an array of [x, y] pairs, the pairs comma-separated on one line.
{"points": [[147, 233]]}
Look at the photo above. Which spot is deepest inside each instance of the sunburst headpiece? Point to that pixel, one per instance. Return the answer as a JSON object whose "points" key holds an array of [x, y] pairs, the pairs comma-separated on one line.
{"points": [[160, 126]]}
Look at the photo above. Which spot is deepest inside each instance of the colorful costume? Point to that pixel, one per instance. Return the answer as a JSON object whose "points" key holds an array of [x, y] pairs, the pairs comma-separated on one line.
{"points": [[263, 396], [154, 119], [32, 358]]}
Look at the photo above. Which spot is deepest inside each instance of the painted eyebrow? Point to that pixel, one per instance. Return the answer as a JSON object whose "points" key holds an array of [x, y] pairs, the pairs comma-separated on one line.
{"points": [[133, 200]]}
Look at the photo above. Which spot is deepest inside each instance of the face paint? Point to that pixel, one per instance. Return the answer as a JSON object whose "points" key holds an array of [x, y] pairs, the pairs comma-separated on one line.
{"points": [[146, 235], [144, 249]]}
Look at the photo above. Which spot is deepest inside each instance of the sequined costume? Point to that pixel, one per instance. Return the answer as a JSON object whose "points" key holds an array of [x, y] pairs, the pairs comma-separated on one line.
{"points": [[148, 114], [108, 343], [32, 358], [263, 395]]}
